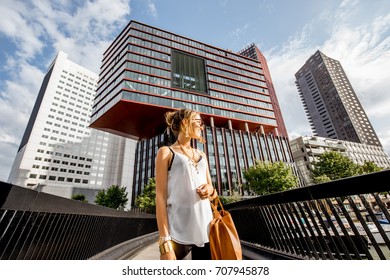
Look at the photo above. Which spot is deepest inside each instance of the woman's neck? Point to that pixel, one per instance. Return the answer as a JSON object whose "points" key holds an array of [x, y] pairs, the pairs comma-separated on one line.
{"points": [[184, 141]]}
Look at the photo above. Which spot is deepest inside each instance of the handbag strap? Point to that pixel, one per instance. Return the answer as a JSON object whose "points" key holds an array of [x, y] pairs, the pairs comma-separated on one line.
{"points": [[214, 205]]}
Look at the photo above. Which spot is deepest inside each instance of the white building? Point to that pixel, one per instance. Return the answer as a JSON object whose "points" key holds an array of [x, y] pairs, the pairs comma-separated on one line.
{"points": [[306, 149], [59, 153]]}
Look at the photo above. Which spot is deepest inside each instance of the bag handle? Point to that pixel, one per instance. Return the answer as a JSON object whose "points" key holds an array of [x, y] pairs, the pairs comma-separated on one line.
{"points": [[214, 205]]}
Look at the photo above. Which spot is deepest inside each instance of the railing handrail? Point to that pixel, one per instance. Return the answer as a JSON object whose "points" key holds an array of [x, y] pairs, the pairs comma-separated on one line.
{"points": [[361, 184], [13, 197], [341, 219]]}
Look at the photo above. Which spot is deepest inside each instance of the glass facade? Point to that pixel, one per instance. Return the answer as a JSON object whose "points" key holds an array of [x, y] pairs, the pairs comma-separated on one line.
{"points": [[188, 72]]}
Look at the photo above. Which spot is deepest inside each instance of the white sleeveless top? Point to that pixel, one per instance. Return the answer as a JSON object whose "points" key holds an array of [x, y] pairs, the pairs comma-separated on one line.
{"points": [[189, 216]]}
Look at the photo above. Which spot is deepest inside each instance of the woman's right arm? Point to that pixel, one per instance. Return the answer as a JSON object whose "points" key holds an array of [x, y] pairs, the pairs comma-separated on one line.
{"points": [[163, 157]]}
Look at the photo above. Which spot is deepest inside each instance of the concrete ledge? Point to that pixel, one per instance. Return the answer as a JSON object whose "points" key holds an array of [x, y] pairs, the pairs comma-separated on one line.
{"points": [[125, 250]]}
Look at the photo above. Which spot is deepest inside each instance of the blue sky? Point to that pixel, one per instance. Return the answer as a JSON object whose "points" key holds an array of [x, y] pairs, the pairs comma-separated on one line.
{"points": [[355, 32]]}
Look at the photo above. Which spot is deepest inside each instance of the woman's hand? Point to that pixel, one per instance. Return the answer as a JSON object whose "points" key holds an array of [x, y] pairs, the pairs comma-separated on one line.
{"points": [[204, 191]]}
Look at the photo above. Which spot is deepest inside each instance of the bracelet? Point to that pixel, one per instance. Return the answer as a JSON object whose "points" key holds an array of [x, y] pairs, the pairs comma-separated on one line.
{"points": [[212, 193], [166, 247], [164, 239]]}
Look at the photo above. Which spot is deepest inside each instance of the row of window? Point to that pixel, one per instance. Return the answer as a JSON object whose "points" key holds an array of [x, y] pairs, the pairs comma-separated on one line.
{"points": [[222, 58], [68, 89], [225, 81], [58, 154], [56, 161], [62, 140], [72, 107], [188, 42], [93, 83], [59, 178], [75, 82], [258, 75], [198, 99], [230, 75], [111, 80]]}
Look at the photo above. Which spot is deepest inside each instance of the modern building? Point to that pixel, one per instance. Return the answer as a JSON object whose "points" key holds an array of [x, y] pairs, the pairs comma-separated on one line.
{"points": [[59, 153], [330, 102], [147, 71], [307, 149]]}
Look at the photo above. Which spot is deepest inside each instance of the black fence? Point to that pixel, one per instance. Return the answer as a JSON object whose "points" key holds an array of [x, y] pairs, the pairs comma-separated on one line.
{"points": [[40, 226], [343, 219]]}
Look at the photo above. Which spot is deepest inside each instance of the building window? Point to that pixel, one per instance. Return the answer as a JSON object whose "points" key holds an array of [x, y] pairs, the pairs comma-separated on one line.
{"points": [[188, 72]]}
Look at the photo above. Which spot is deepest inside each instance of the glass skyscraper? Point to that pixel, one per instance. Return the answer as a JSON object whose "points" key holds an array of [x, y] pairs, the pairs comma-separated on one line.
{"points": [[147, 71]]}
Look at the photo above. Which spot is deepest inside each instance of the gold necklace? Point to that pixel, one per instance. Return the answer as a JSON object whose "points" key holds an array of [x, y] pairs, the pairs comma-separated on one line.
{"points": [[191, 160]]}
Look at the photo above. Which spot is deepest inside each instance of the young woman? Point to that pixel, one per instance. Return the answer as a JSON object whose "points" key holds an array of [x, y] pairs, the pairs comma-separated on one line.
{"points": [[183, 191]]}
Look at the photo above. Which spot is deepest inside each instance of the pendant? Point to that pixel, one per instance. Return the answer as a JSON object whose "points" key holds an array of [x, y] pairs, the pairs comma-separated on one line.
{"points": [[195, 165]]}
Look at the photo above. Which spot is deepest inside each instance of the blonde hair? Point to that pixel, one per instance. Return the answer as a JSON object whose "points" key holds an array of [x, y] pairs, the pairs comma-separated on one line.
{"points": [[175, 122]]}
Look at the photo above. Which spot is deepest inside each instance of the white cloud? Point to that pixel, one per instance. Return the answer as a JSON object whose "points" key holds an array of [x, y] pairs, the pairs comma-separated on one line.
{"points": [[152, 10], [15, 22]]}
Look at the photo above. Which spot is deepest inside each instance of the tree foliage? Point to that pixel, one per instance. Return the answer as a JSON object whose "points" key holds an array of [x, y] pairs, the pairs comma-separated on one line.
{"points": [[369, 167], [114, 197], [333, 165], [147, 200], [79, 197], [267, 177], [226, 199]]}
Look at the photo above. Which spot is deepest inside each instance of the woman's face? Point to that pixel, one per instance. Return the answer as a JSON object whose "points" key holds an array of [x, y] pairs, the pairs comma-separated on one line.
{"points": [[197, 125]]}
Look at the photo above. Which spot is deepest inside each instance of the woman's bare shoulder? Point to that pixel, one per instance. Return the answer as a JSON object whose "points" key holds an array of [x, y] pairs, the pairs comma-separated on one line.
{"points": [[164, 151]]}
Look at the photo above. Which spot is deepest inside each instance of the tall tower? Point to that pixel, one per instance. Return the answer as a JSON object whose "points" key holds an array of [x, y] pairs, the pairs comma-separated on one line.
{"points": [[59, 153], [330, 102], [147, 71], [253, 52]]}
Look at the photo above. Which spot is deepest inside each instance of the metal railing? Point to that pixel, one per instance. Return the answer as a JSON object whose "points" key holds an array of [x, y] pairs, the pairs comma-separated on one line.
{"points": [[342, 219], [40, 226]]}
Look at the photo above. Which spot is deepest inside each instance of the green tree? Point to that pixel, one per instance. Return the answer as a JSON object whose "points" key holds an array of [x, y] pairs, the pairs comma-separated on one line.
{"points": [[333, 165], [147, 200], [79, 197], [267, 177], [369, 167], [235, 196], [321, 179], [114, 197]]}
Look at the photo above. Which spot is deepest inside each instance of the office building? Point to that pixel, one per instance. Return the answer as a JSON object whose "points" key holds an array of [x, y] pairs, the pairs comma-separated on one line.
{"points": [[147, 71], [330, 102], [307, 149], [59, 153]]}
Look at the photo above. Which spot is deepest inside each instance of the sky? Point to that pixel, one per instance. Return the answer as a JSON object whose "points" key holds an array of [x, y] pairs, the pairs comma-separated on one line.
{"points": [[354, 32]]}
